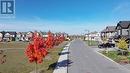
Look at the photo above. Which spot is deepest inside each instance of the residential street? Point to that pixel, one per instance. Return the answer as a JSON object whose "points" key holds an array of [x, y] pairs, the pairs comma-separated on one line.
{"points": [[86, 60]]}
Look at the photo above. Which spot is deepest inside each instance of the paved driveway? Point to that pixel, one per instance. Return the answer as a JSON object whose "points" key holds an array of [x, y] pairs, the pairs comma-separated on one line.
{"points": [[86, 60]]}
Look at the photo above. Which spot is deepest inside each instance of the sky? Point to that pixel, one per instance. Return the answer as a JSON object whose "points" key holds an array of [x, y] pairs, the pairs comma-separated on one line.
{"points": [[70, 16]]}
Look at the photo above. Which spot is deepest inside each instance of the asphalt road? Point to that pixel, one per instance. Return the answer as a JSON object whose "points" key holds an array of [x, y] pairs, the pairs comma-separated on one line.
{"points": [[85, 60]]}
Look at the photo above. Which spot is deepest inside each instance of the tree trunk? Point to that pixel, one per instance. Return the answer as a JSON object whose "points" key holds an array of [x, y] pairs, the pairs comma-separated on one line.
{"points": [[35, 67], [122, 52]]}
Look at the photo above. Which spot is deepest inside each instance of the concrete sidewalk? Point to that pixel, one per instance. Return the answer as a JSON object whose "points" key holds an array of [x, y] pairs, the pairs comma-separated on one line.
{"points": [[62, 63]]}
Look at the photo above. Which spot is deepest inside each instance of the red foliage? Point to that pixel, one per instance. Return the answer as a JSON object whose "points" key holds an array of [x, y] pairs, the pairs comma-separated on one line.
{"points": [[59, 39], [62, 38], [56, 40], [35, 51], [50, 40]]}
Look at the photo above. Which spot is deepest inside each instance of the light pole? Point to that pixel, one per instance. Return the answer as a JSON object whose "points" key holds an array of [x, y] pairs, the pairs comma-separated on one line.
{"points": [[88, 36], [129, 37]]}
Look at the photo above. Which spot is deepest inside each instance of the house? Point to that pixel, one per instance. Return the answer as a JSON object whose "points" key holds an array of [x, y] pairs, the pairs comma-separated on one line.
{"points": [[9, 36], [123, 29], [108, 33], [40, 33], [18, 36], [45, 35], [66, 36], [29, 36], [94, 36], [1, 36], [110, 30], [21, 36], [103, 34]]}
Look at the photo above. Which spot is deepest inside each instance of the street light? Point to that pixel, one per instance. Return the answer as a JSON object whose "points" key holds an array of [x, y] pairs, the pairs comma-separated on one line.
{"points": [[129, 37], [88, 36]]}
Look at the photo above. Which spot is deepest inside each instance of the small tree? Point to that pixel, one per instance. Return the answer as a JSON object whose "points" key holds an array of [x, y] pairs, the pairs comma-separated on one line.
{"points": [[35, 50], [122, 44], [50, 40], [104, 39]]}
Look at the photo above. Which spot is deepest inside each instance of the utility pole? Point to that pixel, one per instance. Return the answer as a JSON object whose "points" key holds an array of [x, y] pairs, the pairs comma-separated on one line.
{"points": [[88, 36], [129, 37]]}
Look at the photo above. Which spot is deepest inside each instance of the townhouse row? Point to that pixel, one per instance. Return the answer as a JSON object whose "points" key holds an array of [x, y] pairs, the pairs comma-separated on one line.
{"points": [[113, 33], [22, 36]]}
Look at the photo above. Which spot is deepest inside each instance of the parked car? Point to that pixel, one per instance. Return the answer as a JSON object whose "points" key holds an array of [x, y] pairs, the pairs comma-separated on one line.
{"points": [[106, 45]]}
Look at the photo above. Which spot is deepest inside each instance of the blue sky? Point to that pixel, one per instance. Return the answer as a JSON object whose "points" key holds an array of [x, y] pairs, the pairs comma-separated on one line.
{"points": [[71, 16]]}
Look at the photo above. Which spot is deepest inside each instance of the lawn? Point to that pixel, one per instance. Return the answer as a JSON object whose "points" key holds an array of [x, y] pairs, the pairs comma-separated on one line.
{"points": [[13, 45], [117, 58], [16, 61], [92, 43]]}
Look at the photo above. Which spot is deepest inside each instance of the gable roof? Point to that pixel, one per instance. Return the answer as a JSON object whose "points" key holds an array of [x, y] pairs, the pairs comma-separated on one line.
{"points": [[44, 33], [124, 24], [103, 31], [110, 28], [11, 33]]}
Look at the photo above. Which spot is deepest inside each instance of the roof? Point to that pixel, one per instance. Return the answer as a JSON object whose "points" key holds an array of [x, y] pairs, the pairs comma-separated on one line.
{"points": [[124, 24], [11, 33], [95, 32], [110, 28], [23, 33], [103, 31], [44, 33], [28, 32]]}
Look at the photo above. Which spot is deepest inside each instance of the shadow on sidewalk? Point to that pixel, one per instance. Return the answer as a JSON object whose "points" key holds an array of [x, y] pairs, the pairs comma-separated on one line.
{"points": [[57, 65], [63, 53]]}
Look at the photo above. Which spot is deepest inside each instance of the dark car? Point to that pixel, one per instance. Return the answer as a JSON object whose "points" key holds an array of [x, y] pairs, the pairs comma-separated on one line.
{"points": [[106, 45]]}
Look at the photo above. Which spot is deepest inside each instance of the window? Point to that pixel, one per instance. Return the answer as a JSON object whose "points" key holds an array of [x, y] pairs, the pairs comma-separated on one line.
{"points": [[124, 31]]}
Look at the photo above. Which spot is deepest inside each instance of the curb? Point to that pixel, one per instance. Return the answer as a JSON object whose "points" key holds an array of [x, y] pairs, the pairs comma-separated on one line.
{"points": [[112, 60], [62, 64]]}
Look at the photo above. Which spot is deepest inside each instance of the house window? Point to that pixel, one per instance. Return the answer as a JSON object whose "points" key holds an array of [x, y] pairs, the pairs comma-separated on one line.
{"points": [[125, 32], [7, 35], [119, 32]]}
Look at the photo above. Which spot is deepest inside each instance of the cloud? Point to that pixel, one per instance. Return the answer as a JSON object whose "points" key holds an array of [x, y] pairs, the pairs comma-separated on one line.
{"points": [[122, 8], [121, 12], [37, 23]]}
